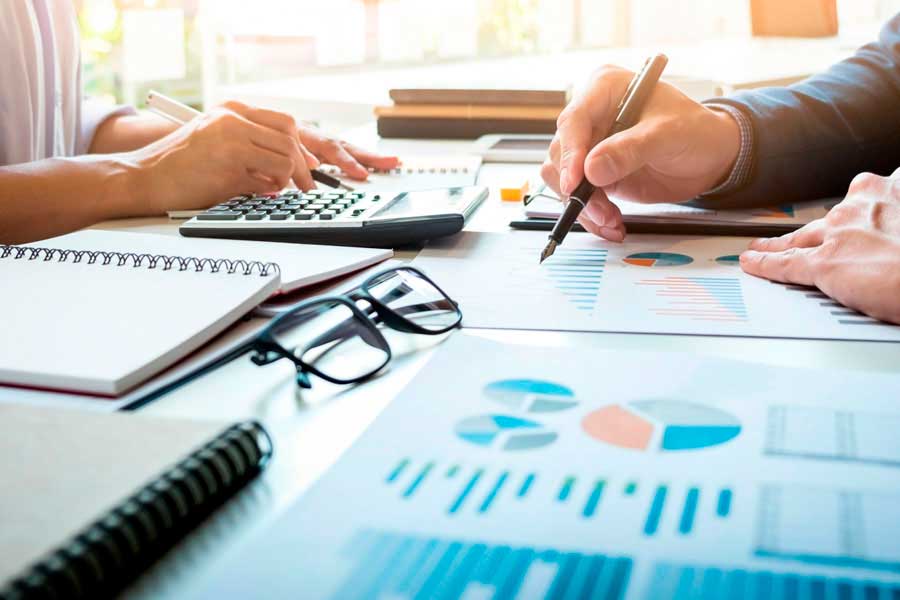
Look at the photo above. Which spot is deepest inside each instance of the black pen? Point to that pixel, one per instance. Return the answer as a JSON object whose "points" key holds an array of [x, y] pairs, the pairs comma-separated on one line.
{"points": [[628, 114], [326, 179]]}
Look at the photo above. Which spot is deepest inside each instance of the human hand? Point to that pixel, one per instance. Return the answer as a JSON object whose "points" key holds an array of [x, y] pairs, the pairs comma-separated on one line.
{"points": [[678, 150], [852, 254], [352, 160], [234, 149]]}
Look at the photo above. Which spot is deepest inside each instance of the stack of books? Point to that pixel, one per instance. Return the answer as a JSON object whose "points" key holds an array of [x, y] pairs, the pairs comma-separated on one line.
{"points": [[470, 113]]}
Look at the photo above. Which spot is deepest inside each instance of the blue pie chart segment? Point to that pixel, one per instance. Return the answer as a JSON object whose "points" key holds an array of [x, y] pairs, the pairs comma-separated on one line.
{"points": [[531, 395], [504, 432], [729, 260], [689, 426]]}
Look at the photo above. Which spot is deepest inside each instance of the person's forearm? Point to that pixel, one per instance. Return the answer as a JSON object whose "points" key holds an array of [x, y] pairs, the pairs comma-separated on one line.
{"points": [[812, 138], [54, 196], [125, 133]]}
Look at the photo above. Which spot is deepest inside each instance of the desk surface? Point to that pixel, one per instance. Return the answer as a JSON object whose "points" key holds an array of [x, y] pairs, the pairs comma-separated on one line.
{"points": [[313, 427]]}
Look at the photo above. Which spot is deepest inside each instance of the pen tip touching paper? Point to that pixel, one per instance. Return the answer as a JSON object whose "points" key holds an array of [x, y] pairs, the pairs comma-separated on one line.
{"points": [[549, 249]]}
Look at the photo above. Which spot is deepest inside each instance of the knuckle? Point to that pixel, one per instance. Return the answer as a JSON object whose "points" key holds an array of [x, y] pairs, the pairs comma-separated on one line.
{"points": [[841, 214], [864, 182], [548, 172]]}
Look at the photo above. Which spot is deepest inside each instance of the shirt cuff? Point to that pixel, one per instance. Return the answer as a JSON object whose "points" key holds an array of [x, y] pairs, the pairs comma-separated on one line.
{"points": [[740, 173], [93, 113]]}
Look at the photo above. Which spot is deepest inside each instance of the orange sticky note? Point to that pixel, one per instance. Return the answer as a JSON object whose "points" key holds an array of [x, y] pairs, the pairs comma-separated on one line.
{"points": [[514, 194]]}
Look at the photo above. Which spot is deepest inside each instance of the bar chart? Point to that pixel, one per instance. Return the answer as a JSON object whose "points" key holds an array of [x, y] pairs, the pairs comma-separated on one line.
{"points": [[577, 274], [833, 435], [837, 311], [830, 527], [397, 565], [718, 299], [481, 490], [696, 582]]}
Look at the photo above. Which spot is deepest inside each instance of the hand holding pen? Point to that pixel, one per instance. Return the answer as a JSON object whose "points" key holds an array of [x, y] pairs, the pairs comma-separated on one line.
{"points": [[627, 114], [304, 161], [678, 150]]}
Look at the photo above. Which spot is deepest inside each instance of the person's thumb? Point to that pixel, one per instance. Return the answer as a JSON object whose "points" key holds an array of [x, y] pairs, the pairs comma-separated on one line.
{"points": [[617, 157]]}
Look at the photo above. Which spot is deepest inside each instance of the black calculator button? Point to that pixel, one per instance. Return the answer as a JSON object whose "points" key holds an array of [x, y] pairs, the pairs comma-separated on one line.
{"points": [[232, 215], [267, 207], [304, 215], [327, 215], [255, 215], [279, 215]]}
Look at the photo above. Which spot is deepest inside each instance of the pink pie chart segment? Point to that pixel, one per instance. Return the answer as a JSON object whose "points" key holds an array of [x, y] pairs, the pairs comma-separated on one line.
{"points": [[617, 426]]}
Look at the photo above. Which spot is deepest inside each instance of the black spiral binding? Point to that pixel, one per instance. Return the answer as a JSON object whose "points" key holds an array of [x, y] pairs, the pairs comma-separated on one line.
{"points": [[150, 261], [111, 552]]}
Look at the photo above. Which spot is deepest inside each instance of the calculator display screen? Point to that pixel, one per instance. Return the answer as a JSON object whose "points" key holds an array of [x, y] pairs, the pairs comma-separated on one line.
{"points": [[416, 204]]}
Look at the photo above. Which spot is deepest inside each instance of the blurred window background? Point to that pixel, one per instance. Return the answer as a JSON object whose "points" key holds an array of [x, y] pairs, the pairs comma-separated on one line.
{"points": [[189, 48]]}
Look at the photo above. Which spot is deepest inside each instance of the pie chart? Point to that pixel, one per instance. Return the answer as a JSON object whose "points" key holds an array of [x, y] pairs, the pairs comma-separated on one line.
{"points": [[531, 395], [661, 425], [658, 259], [504, 432], [729, 260]]}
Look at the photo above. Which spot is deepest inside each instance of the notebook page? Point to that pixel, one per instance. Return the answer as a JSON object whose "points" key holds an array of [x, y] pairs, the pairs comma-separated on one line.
{"points": [[103, 329]]}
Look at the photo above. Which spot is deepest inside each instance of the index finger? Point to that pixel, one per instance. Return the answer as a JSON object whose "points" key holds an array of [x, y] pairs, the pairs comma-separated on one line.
{"points": [[793, 265], [574, 132]]}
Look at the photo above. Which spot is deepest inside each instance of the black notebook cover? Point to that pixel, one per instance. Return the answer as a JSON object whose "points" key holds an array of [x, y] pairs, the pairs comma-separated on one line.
{"points": [[123, 541]]}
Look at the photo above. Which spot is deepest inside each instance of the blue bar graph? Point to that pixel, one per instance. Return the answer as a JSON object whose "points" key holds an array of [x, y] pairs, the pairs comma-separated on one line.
{"points": [[400, 565], [474, 489], [526, 485], [577, 274], [593, 500], [398, 470], [493, 493], [566, 490], [656, 508], [418, 480], [723, 506], [692, 582], [457, 504], [690, 509]]}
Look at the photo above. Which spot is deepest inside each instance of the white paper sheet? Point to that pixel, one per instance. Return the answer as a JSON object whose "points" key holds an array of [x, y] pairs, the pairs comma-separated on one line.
{"points": [[602, 474], [649, 284], [548, 206]]}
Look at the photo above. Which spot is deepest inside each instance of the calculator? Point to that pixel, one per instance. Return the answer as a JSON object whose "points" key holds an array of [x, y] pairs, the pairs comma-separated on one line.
{"points": [[344, 218]]}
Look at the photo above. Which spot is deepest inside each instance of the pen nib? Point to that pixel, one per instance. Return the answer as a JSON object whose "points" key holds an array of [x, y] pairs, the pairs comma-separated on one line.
{"points": [[549, 249]]}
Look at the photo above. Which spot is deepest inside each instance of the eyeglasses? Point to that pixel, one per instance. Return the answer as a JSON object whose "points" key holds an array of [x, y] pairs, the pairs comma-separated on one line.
{"points": [[337, 338]]}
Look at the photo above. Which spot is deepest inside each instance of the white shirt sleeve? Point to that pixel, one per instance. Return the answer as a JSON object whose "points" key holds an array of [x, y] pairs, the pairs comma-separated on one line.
{"points": [[93, 113]]}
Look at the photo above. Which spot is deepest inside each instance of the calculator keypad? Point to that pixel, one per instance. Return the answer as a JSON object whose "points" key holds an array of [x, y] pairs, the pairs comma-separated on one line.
{"points": [[293, 205]]}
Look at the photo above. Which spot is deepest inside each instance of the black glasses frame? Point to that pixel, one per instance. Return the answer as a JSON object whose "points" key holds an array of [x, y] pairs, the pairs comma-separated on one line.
{"points": [[267, 350]]}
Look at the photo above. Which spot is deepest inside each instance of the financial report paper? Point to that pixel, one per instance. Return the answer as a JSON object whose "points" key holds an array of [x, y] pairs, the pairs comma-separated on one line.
{"points": [[649, 284], [540, 479]]}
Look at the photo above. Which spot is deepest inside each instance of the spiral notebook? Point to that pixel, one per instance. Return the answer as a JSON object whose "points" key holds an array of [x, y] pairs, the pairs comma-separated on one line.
{"points": [[73, 530], [102, 321]]}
